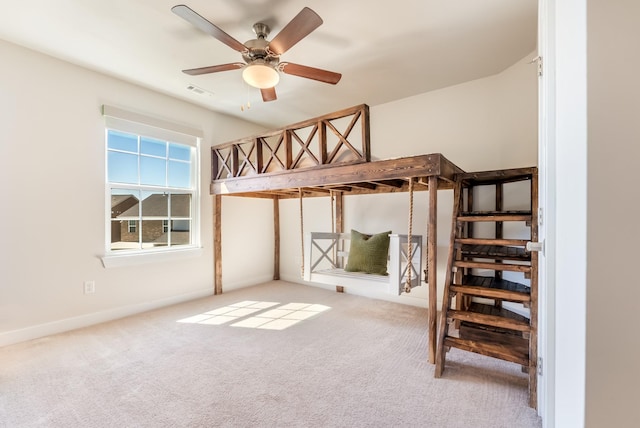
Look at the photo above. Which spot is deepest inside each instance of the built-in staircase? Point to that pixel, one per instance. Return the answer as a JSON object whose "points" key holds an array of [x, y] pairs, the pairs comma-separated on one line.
{"points": [[491, 287]]}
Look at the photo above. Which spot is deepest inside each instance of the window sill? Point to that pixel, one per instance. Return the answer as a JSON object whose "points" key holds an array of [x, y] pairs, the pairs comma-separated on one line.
{"points": [[133, 259]]}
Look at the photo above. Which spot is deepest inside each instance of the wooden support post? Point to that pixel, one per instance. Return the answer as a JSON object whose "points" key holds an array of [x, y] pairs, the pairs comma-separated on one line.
{"points": [[276, 238], [499, 230], [339, 212], [217, 245], [432, 250], [339, 222]]}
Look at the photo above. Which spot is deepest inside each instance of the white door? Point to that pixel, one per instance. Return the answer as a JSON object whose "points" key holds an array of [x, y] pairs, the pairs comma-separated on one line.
{"points": [[546, 198]]}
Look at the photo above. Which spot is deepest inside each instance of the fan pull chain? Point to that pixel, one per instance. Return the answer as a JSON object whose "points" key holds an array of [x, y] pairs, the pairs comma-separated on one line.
{"points": [[248, 105]]}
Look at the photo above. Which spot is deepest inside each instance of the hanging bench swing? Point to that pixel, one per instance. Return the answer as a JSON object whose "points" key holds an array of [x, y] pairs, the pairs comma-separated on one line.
{"points": [[383, 262]]}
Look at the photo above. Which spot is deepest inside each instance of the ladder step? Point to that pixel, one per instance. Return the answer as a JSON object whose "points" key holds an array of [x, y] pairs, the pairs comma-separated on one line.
{"points": [[492, 282], [481, 308], [495, 216], [489, 241], [492, 266], [495, 251], [491, 320], [495, 350], [479, 333], [491, 293], [497, 176]]}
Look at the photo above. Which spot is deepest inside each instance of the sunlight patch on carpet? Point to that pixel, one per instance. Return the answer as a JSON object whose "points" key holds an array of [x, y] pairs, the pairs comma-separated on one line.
{"points": [[258, 314]]}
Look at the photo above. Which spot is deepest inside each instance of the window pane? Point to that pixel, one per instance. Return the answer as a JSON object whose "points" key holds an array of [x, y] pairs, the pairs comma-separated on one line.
{"points": [[123, 168], [153, 171], [181, 225], [179, 174], [124, 204], [153, 147], [179, 152], [180, 205], [155, 206], [153, 234], [180, 232], [122, 141], [125, 213]]}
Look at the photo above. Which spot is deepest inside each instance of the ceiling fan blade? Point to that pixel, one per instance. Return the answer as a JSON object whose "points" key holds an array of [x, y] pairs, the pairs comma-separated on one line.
{"points": [[310, 72], [268, 94], [297, 29], [214, 68], [198, 21]]}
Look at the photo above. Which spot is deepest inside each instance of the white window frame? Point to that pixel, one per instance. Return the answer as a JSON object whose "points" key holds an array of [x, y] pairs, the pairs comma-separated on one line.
{"points": [[121, 120]]}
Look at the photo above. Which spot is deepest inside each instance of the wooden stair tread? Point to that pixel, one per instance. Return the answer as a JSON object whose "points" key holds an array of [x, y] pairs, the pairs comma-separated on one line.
{"points": [[504, 337], [490, 320], [496, 350], [495, 252], [492, 293], [481, 308], [515, 215], [496, 176], [493, 266], [493, 241], [491, 282]]}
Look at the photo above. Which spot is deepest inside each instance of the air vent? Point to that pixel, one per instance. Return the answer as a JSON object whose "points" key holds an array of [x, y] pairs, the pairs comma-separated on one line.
{"points": [[198, 90]]}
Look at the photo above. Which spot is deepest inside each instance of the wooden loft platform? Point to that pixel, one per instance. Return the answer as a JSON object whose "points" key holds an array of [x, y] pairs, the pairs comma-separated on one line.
{"points": [[328, 155], [383, 176]]}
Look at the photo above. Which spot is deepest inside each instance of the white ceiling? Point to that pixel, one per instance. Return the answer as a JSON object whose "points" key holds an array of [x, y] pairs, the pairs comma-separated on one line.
{"points": [[385, 50]]}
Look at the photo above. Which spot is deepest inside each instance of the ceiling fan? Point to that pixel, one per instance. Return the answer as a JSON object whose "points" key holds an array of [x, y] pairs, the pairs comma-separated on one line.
{"points": [[262, 57]]}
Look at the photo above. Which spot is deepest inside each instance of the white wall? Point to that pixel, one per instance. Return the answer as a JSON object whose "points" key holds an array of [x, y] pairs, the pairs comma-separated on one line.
{"points": [[53, 172], [486, 124], [570, 219], [613, 152], [53, 200]]}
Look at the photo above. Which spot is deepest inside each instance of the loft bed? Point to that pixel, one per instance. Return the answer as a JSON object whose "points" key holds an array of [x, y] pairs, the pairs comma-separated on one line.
{"points": [[328, 156]]}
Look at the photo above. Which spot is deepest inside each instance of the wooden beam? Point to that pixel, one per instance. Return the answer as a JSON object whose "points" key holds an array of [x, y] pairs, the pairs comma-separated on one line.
{"points": [[339, 221], [432, 264], [396, 184], [217, 245], [341, 174], [276, 238], [339, 212]]}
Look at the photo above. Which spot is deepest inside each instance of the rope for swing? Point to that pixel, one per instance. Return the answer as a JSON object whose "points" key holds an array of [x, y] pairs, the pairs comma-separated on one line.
{"points": [[301, 233], [407, 286], [333, 225]]}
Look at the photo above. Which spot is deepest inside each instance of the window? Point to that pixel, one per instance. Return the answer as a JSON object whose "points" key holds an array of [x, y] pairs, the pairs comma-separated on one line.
{"points": [[152, 184]]}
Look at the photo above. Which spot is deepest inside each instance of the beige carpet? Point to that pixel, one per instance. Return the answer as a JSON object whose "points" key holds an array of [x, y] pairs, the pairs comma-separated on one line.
{"points": [[249, 358]]}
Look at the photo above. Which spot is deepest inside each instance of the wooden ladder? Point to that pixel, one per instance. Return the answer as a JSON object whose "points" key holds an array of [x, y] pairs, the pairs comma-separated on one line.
{"points": [[485, 272]]}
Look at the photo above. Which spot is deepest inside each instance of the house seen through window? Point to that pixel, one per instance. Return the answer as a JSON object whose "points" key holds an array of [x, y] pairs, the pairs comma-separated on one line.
{"points": [[152, 186]]}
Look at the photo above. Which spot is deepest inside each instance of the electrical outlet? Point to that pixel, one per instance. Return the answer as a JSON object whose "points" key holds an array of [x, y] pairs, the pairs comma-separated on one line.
{"points": [[89, 287]]}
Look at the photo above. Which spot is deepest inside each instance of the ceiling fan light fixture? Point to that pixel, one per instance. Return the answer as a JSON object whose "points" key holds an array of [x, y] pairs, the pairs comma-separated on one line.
{"points": [[260, 76]]}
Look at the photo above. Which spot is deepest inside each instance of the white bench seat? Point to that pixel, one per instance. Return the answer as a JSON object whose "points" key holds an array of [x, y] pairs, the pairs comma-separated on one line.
{"points": [[327, 253]]}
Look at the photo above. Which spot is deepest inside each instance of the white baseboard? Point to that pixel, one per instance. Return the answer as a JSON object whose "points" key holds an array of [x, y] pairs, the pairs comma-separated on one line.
{"points": [[245, 282], [68, 324]]}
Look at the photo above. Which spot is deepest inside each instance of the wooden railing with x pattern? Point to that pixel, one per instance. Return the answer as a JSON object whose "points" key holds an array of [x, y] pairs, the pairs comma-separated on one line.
{"points": [[338, 138]]}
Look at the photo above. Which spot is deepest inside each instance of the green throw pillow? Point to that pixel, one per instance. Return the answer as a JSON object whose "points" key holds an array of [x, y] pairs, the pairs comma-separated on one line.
{"points": [[368, 253]]}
